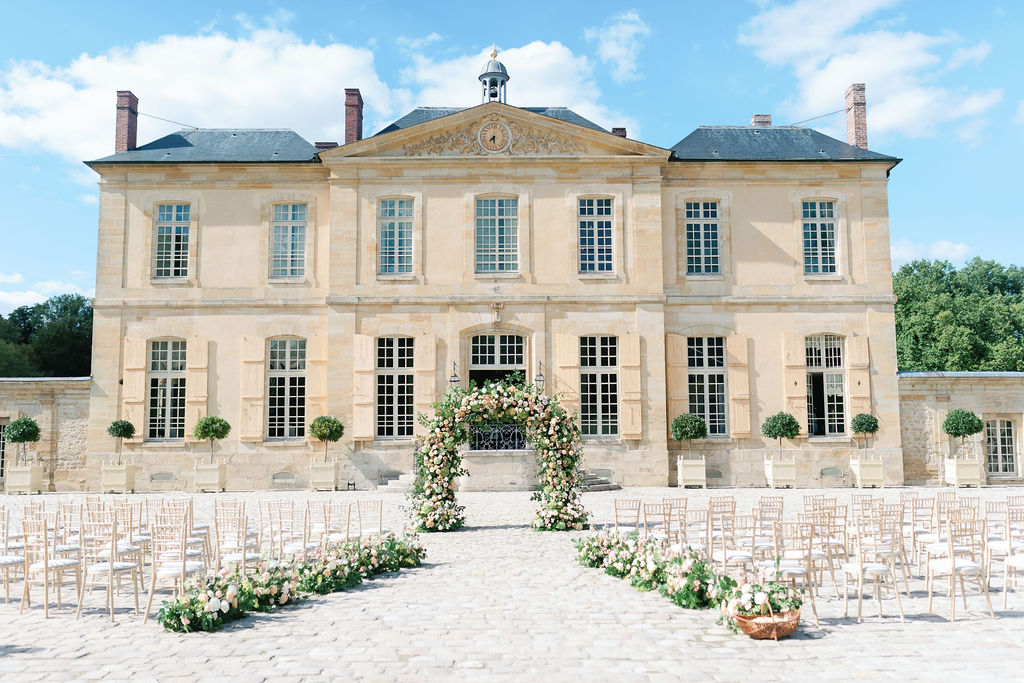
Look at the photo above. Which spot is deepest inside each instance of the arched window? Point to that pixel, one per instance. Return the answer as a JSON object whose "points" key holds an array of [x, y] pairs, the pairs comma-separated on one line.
{"points": [[166, 400], [826, 402], [286, 389]]}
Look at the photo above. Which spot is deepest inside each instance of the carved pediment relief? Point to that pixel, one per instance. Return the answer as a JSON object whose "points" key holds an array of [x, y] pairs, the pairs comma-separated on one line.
{"points": [[523, 139]]}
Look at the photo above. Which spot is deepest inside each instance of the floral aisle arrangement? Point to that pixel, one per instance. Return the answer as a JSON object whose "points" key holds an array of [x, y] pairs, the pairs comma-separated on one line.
{"points": [[212, 601], [691, 582], [552, 432], [763, 606]]}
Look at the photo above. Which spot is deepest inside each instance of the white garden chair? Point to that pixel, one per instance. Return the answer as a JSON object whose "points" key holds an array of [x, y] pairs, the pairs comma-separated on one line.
{"points": [[370, 516], [872, 562], [627, 513], [10, 560], [103, 552], [42, 568], [170, 553], [964, 560]]}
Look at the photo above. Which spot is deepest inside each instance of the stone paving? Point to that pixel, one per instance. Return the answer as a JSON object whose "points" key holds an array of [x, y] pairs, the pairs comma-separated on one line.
{"points": [[498, 601]]}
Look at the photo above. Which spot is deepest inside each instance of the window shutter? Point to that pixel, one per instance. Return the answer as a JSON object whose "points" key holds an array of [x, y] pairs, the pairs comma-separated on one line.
{"points": [[197, 364], [794, 378], [860, 375], [631, 423], [316, 377], [364, 362], [567, 372], [133, 391], [738, 363], [678, 388], [252, 392], [425, 376]]}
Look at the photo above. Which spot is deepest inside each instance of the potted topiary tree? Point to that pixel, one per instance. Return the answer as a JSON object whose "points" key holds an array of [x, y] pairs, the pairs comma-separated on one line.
{"points": [[868, 468], [324, 475], [119, 478], [780, 471], [23, 476], [212, 476], [690, 471], [962, 468]]}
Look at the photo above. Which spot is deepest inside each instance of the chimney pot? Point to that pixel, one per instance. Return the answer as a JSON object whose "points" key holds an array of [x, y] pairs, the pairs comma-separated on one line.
{"points": [[621, 132], [761, 120], [321, 146], [353, 115], [127, 122], [856, 116]]}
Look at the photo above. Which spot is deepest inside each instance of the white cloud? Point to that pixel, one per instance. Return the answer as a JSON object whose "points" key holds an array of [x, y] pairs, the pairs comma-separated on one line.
{"points": [[824, 44], [10, 279], [540, 74], [89, 199], [619, 41], [11, 300], [418, 43], [37, 293], [905, 251]]}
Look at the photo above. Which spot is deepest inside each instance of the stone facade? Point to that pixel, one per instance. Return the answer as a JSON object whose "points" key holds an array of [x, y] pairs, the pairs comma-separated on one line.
{"points": [[60, 405]]}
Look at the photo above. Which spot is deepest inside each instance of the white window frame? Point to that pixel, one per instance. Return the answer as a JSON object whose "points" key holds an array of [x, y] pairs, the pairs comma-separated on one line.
{"points": [[286, 378], [702, 236], [497, 351], [395, 229], [706, 389], [499, 254], [166, 365], [1000, 444], [175, 226], [394, 401], [820, 236], [288, 236], [595, 219], [600, 416], [3, 448], [825, 354]]}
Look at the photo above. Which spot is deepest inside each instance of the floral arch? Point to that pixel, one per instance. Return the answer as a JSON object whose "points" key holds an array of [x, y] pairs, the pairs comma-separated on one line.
{"points": [[549, 429]]}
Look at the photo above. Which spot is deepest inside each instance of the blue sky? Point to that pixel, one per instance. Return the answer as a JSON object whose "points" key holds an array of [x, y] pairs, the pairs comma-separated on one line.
{"points": [[943, 79]]}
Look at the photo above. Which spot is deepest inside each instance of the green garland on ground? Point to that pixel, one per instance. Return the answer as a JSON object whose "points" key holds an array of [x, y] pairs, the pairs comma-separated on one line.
{"points": [[213, 601], [548, 428]]}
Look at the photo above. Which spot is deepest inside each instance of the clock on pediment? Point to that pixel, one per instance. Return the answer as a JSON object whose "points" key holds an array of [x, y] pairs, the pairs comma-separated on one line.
{"points": [[495, 136]]}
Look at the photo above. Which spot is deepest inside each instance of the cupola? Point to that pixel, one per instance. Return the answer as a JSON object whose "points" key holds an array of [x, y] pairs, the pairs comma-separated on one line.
{"points": [[493, 79]]}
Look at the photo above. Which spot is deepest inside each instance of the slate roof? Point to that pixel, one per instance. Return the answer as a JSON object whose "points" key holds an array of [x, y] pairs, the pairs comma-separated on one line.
{"points": [[424, 114], [764, 143], [225, 145]]}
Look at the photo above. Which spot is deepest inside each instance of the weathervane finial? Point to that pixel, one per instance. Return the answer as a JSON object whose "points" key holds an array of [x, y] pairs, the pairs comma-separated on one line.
{"points": [[494, 51]]}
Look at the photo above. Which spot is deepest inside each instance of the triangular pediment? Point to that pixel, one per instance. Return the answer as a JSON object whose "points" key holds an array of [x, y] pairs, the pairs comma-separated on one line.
{"points": [[495, 130]]}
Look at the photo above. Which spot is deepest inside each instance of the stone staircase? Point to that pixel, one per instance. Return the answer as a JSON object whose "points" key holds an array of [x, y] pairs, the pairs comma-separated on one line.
{"points": [[395, 481], [597, 482]]}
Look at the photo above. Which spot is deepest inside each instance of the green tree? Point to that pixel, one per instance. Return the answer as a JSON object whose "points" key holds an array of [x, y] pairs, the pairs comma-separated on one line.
{"points": [[17, 360], [780, 426], [688, 426], [211, 428], [23, 431], [327, 429], [63, 343]]}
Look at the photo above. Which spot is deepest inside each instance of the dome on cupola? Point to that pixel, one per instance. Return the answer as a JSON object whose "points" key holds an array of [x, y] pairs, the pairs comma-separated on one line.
{"points": [[493, 78]]}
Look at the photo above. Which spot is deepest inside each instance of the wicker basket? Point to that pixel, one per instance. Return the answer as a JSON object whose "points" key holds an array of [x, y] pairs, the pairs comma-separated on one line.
{"points": [[764, 626]]}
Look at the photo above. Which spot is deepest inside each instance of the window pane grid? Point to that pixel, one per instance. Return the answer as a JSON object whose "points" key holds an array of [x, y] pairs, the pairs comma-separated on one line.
{"points": [[999, 444], [501, 351], [286, 389], [595, 222], [395, 414], [599, 391], [166, 400], [706, 384], [819, 235], [497, 239], [288, 257], [395, 236], [702, 246], [826, 398], [172, 228]]}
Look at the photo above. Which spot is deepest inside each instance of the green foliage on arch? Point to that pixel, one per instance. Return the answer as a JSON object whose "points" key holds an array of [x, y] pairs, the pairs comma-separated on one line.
{"points": [[548, 428]]}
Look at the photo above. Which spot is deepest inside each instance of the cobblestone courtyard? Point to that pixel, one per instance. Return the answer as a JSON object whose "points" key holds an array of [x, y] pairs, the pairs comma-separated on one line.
{"points": [[500, 601]]}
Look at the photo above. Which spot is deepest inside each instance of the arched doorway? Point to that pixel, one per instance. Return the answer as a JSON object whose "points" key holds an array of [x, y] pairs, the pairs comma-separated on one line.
{"points": [[497, 357]]}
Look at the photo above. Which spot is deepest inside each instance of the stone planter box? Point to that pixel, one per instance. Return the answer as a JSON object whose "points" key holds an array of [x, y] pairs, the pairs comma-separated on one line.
{"points": [[691, 472], [211, 477], [780, 470], [118, 478], [323, 476], [24, 479], [959, 472], [868, 469]]}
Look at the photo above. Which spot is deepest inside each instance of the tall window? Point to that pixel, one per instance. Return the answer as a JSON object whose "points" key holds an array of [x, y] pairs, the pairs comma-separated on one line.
{"points": [[1002, 458], [394, 226], [503, 351], [819, 237], [172, 225], [289, 241], [394, 387], [702, 250], [166, 389], [3, 451], [286, 379], [826, 407], [595, 219], [705, 360], [497, 235], [599, 386]]}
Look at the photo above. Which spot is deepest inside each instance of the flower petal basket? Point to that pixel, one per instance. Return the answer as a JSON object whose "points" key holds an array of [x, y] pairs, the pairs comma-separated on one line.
{"points": [[765, 626]]}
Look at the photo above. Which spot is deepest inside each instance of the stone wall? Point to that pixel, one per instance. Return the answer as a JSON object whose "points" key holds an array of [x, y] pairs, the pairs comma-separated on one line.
{"points": [[61, 407]]}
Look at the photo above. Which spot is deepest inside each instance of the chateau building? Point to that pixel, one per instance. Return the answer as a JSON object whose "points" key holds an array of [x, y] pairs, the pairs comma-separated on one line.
{"points": [[252, 275]]}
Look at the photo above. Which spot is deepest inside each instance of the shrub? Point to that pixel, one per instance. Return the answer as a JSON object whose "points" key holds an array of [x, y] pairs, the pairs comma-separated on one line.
{"points": [[327, 429], [864, 423], [121, 429], [23, 430], [780, 426], [689, 427], [961, 424], [211, 428]]}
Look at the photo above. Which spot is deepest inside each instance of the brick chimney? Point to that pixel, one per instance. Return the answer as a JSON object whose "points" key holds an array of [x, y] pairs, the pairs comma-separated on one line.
{"points": [[353, 115], [621, 132], [127, 121], [761, 120], [856, 116]]}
